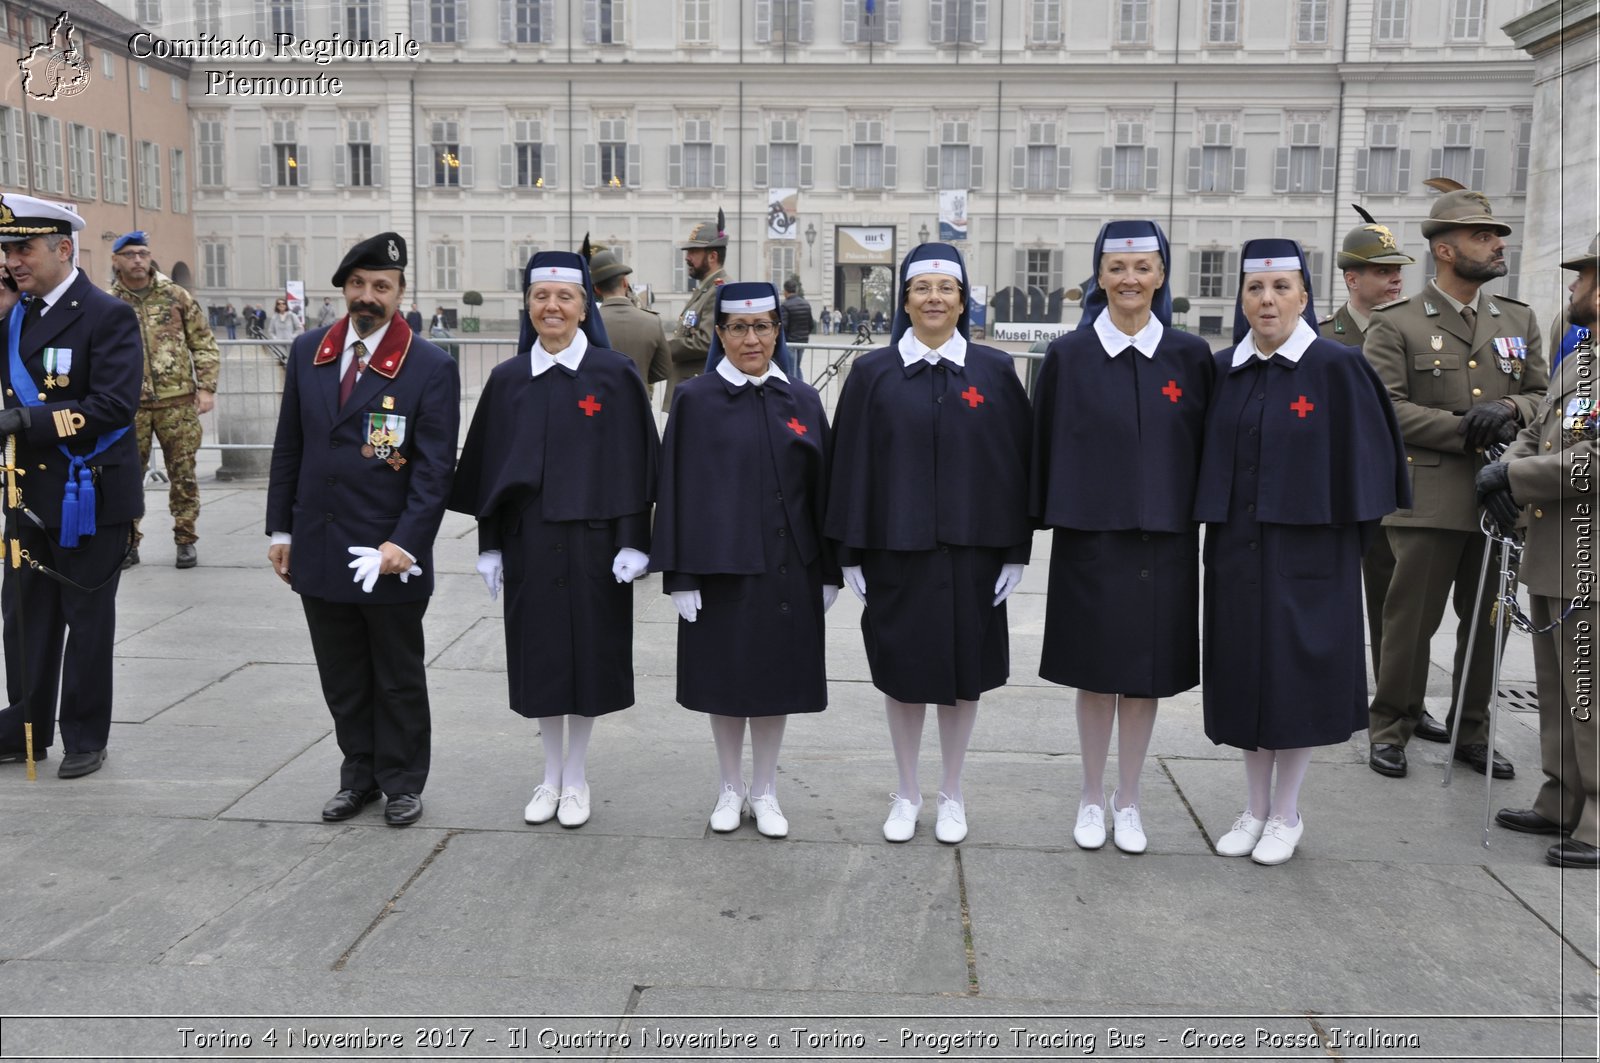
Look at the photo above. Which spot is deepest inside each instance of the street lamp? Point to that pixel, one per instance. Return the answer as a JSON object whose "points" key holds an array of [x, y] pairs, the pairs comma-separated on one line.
{"points": [[811, 241], [922, 234]]}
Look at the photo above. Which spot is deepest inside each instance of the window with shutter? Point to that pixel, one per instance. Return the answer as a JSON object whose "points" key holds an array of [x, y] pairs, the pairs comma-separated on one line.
{"points": [[1127, 157], [208, 136], [697, 155], [446, 155], [879, 26], [286, 263], [446, 274], [1311, 22], [696, 23], [1222, 22], [1044, 23], [214, 264], [1378, 168], [1392, 21], [782, 154], [1133, 23], [521, 253], [1458, 157], [1212, 280], [82, 180], [359, 20], [1466, 20], [611, 154], [1521, 149], [114, 167], [1300, 165], [868, 157]]}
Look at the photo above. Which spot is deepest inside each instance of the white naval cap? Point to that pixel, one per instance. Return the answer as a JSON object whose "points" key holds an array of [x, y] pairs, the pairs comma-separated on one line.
{"points": [[24, 217]]}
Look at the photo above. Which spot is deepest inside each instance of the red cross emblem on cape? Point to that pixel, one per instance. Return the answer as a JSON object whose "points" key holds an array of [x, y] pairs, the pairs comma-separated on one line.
{"points": [[385, 361], [589, 406], [972, 396], [796, 427], [1302, 407], [1172, 391]]}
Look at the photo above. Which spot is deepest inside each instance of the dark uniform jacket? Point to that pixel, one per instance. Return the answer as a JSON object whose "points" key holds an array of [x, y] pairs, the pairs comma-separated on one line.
{"points": [[100, 395], [330, 488], [1436, 369], [1554, 467]]}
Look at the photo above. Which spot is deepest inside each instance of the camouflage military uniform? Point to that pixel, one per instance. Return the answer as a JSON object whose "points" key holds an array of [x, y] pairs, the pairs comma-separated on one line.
{"points": [[180, 357]]}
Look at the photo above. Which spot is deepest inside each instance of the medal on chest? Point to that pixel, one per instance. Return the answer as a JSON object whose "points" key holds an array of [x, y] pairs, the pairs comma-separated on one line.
{"points": [[1512, 354], [57, 364], [1579, 421], [385, 433]]}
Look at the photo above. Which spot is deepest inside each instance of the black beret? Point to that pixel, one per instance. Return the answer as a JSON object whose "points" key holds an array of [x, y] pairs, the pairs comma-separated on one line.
{"points": [[384, 251]]}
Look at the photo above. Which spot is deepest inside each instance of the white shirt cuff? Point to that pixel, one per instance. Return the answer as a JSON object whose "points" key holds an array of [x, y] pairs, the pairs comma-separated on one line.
{"points": [[281, 538]]}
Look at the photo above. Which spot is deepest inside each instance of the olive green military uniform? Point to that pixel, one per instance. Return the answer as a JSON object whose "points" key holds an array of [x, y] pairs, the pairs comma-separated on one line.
{"points": [[691, 343], [180, 357], [1367, 245], [1437, 367], [638, 334], [1553, 470]]}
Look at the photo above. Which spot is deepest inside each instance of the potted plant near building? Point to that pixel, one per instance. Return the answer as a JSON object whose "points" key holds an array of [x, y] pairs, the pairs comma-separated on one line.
{"points": [[473, 299]]}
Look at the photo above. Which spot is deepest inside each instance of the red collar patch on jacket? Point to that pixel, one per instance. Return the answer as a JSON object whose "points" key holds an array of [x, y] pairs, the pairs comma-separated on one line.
{"points": [[385, 361]]}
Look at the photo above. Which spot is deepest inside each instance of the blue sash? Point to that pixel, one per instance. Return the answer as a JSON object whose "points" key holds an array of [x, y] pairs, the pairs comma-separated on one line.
{"points": [[77, 500]]}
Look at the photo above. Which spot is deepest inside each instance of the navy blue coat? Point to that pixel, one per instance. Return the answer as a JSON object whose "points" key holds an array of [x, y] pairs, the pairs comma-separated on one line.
{"points": [[912, 474], [332, 497], [739, 518], [1301, 460], [1116, 441], [102, 388]]}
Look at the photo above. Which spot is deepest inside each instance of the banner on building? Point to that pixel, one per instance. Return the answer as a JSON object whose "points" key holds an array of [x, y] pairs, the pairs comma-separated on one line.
{"points": [[296, 296], [783, 208], [953, 215], [862, 245]]}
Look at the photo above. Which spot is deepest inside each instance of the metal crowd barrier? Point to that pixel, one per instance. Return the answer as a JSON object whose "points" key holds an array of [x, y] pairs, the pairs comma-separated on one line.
{"points": [[250, 389]]}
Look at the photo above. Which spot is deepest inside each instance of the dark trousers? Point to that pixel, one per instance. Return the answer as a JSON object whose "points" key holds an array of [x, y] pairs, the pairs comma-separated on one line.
{"points": [[61, 639], [1377, 569], [1429, 562], [1569, 750], [370, 660]]}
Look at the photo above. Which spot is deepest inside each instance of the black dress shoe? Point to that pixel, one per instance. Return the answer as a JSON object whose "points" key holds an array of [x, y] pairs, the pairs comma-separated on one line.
{"points": [[187, 556], [77, 765], [132, 558], [1387, 759], [1477, 756], [402, 810], [1430, 730], [1526, 820], [17, 756], [1570, 852], [347, 803]]}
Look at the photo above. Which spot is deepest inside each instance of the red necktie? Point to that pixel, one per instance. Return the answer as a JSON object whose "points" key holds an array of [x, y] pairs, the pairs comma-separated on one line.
{"points": [[347, 383]]}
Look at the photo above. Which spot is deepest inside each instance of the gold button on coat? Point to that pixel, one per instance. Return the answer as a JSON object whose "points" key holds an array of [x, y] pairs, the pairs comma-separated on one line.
{"points": [[1472, 364], [1476, 392]]}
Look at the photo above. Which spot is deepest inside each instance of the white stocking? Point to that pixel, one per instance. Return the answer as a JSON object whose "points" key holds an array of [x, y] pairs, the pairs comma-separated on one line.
{"points": [[574, 770], [1292, 766], [1258, 782], [550, 732], [728, 733], [956, 723], [905, 734], [1136, 722], [766, 739], [1096, 715]]}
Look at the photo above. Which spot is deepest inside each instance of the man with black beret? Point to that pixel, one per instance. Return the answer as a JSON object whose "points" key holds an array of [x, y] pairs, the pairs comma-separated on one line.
{"points": [[71, 391], [361, 468]]}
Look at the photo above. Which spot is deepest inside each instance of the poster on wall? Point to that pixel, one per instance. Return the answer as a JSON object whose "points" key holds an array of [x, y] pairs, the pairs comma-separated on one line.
{"points": [[783, 208], [864, 245], [953, 215]]}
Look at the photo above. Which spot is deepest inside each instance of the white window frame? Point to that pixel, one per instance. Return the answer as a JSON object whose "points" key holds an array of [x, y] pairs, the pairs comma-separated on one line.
{"points": [[1131, 28], [214, 263], [1045, 23], [113, 167], [446, 262], [83, 175], [694, 22], [1311, 23], [1222, 23], [213, 170], [13, 148], [1466, 21], [286, 265], [178, 175], [49, 166], [149, 175], [1391, 22]]}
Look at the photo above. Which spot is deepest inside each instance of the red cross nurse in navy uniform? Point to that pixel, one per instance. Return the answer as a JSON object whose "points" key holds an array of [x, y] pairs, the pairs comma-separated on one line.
{"points": [[928, 503], [1119, 411], [1302, 457]]}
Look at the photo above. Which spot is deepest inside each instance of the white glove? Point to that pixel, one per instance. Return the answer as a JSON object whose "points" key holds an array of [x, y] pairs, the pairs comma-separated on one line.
{"points": [[629, 565], [1010, 576], [687, 604], [856, 581], [492, 571], [414, 570], [366, 566], [829, 593]]}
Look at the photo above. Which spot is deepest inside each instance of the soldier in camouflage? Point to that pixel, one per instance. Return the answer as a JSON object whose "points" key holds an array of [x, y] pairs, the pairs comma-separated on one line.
{"points": [[181, 362]]}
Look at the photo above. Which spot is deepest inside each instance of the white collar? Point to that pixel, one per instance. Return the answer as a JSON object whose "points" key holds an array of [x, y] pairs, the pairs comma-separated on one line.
{"points": [[58, 291], [372, 341], [913, 350], [733, 375], [1115, 341], [1292, 348], [543, 361]]}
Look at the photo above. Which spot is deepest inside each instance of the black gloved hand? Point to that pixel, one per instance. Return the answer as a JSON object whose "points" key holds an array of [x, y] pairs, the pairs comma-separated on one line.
{"points": [[15, 419], [1486, 424], [1494, 495]]}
